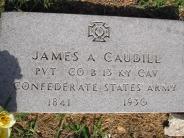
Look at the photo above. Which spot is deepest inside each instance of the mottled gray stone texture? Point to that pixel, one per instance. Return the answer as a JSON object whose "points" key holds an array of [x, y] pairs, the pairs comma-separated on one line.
{"points": [[83, 63]]}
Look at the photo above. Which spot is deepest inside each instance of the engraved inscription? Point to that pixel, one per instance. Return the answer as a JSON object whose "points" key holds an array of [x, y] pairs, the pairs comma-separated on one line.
{"points": [[99, 31], [58, 102], [72, 72]]}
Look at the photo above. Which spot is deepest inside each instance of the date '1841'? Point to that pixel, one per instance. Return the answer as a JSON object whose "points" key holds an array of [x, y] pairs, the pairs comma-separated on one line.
{"points": [[59, 102]]}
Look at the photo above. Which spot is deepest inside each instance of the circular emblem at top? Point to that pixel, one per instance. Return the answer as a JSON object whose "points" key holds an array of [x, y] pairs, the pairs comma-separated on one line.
{"points": [[99, 31]]}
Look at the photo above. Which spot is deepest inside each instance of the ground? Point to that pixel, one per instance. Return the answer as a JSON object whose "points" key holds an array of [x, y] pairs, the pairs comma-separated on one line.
{"points": [[145, 125], [90, 125]]}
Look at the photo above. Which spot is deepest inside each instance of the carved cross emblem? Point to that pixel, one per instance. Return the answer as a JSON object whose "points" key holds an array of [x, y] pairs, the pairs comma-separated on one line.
{"points": [[99, 31]]}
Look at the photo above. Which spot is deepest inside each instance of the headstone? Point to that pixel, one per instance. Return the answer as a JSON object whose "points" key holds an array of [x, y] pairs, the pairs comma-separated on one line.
{"points": [[83, 63]]}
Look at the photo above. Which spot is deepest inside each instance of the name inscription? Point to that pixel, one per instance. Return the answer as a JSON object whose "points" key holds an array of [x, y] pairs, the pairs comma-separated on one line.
{"points": [[128, 70]]}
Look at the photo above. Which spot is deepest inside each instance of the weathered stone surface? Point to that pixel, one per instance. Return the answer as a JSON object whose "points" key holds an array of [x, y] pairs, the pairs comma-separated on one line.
{"points": [[176, 126], [83, 63]]}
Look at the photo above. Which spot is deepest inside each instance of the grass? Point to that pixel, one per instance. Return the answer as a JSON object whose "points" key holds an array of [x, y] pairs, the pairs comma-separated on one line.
{"points": [[160, 3], [1, 5], [18, 4], [89, 125], [25, 126], [23, 4], [166, 9]]}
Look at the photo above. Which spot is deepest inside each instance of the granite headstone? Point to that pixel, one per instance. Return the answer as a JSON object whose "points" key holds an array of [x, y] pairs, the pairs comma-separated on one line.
{"points": [[85, 63]]}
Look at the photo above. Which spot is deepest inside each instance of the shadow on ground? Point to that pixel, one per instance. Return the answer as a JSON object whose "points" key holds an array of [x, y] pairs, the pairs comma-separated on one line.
{"points": [[77, 7]]}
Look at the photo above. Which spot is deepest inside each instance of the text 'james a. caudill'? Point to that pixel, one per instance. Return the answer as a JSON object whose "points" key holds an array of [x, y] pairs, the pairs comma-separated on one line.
{"points": [[108, 57]]}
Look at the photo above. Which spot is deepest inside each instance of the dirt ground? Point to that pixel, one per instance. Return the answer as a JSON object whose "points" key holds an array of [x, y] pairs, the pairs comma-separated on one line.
{"points": [[99, 125], [117, 3]]}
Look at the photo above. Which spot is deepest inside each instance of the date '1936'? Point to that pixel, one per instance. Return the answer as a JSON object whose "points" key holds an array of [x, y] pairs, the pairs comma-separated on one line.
{"points": [[135, 102]]}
